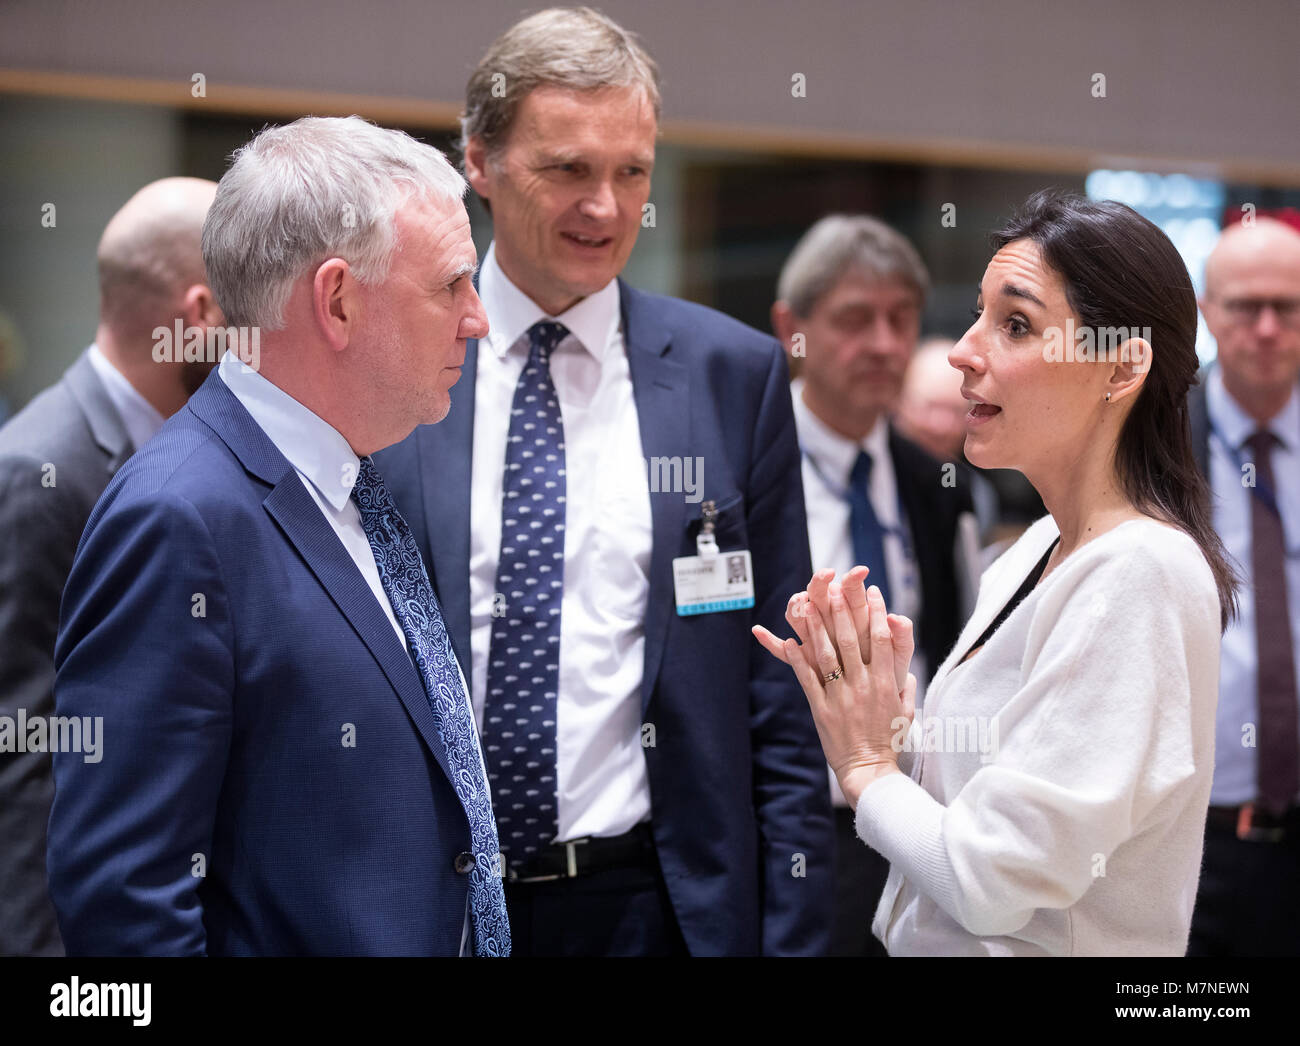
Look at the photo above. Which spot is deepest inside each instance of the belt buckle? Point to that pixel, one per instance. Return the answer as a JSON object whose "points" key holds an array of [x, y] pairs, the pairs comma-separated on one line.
{"points": [[571, 856], [570, 866], [515, 877], [1248, 832]]}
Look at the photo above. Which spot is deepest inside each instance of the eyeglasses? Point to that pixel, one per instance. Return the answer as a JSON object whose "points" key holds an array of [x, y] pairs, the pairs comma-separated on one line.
{"points": [[1245, 312]]}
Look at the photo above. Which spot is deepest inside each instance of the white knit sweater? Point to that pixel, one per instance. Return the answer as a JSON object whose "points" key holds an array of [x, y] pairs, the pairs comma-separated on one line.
{"points": [[1057, 802]]}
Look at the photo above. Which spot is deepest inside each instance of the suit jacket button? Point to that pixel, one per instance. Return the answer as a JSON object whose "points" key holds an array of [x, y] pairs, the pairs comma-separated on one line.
{"points": [[464, 863]]}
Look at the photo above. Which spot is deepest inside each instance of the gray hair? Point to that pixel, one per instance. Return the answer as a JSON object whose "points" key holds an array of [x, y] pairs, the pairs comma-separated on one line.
{"points": [[318, 188], [572, 47], [839, 243]]}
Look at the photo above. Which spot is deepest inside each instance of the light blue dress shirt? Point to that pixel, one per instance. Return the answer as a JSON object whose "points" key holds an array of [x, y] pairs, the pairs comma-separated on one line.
{"points": [[1235, 762], [141, 418]]}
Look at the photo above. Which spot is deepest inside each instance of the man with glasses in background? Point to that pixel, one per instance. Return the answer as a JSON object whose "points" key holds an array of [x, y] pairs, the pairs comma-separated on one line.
{"points": [[1245, 416]]}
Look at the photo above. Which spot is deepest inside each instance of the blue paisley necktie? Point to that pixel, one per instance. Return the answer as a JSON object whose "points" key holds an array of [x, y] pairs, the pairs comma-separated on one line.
{"points": [[401, 570], [523, 673]]}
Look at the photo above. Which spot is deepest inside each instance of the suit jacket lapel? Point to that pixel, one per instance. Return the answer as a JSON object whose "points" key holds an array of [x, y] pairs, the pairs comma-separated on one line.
{"points": [[903, 479], [1199, 422], [446, 467], [919, 526], [306, 528], [106, 426], [662, 394]]}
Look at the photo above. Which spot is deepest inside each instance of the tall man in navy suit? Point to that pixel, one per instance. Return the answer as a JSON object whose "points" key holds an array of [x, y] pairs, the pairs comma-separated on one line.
{"points": [[288, 761], [657, 779]]}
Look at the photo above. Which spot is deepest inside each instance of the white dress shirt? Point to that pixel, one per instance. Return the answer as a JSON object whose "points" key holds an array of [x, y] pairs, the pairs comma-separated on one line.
{"points": [[602, 785], [140, 417], [1237, 764]]}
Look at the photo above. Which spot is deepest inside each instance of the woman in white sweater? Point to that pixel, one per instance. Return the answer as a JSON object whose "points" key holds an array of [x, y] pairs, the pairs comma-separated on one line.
{"points": [[1051, 797]]}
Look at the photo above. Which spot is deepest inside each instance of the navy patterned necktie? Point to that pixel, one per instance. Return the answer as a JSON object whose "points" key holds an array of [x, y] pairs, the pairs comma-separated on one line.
{"points": [[864, 525], [402, 573], [523, 677]]}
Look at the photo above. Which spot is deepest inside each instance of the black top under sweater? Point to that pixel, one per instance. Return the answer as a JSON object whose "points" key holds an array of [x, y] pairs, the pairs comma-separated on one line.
{"points": [[1016, 600]]}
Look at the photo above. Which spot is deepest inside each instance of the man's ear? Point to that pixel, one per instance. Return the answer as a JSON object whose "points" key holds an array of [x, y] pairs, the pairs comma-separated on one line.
{"points": [[200, 308], [784, 323], [1131, 370], [477, 171], [335, 303], [1211, 314]]}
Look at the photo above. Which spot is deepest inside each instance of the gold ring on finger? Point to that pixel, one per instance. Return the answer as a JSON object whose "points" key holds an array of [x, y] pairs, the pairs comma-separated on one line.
{"points": [[839, 671]]}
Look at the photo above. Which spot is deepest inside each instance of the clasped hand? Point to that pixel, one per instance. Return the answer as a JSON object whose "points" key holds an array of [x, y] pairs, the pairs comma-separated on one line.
{"points": [[851, 659]]}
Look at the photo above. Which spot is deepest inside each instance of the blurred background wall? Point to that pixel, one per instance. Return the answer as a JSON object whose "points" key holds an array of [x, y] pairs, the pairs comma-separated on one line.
{"points": [[905, 107]]}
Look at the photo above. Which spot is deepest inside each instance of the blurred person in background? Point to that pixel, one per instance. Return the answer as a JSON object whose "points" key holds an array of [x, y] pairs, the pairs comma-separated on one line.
{"points": [[1246, 431], [932, 414], [56, 457], [653, 779], [848, 309], [11, 355]]}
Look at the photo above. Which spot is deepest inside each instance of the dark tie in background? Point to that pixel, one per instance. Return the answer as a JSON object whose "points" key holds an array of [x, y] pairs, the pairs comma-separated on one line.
{"points": [[523, 677], [1279, 749], [868, 534], [402, 573]]}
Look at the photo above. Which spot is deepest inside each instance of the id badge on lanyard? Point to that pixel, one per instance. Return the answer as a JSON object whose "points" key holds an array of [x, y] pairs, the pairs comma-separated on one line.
{"points": [[712, 581]]}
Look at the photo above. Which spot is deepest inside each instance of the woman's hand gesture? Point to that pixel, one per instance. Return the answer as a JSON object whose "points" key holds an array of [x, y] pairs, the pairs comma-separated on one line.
{"points": [[851, 661]]}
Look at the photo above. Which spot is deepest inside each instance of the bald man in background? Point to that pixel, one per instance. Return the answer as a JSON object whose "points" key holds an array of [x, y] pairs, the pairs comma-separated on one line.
{"points": [[56, 457], [1245, 417]]}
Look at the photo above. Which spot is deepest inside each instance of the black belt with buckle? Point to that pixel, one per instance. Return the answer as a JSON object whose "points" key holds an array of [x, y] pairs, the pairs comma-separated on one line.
{"points": [[577, 857], [1251, 824]]}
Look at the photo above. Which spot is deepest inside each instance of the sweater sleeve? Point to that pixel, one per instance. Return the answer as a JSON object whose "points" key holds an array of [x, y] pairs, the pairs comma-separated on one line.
{"points": [[1098, 734]]}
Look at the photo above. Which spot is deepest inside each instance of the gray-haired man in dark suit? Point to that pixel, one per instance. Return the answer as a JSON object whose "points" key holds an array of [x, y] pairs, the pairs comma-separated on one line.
{"points": [[56, 457]]}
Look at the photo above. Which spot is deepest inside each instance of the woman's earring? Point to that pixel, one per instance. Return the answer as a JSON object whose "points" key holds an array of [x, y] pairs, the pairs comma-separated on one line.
{"points": [[1108, 397]]}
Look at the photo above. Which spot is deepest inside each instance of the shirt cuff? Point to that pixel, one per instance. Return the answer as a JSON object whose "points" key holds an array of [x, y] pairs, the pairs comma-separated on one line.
{"points": [[903, 822]]}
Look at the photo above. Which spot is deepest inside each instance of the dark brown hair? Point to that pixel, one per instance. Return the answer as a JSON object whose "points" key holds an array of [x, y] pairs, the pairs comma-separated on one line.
{"points": [[1120, 270]]}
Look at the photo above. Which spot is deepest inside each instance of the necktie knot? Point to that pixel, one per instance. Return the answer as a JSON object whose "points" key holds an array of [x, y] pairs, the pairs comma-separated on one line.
{"points": [[1261, 443], [367, 475], [369, 491], [860, 476], [543, 336]]}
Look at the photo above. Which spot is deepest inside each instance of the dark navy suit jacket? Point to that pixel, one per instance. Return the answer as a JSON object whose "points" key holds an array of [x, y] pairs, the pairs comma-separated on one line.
{"points": [[271, 781], [1198, 418], [738, 786]]}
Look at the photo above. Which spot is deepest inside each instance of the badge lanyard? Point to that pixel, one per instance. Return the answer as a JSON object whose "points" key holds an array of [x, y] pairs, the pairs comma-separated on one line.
{"points": [[705, 542], [900, 531]]}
